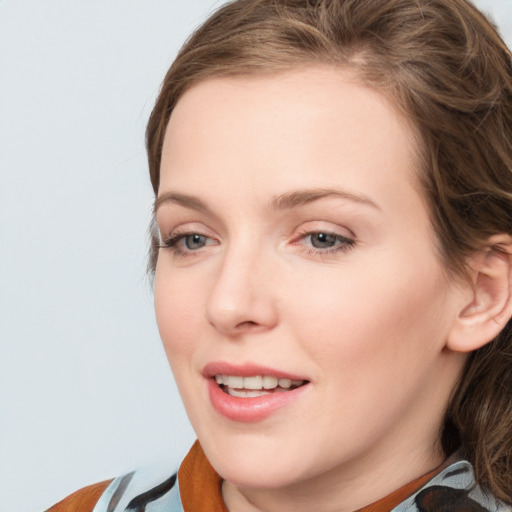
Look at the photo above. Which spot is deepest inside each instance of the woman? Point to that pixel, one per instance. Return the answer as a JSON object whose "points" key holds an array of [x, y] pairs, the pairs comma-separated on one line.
{"points": [[332, 258]]}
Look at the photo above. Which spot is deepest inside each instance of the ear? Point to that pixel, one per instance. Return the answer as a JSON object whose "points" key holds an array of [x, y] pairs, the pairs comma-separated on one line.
{"points": [[489, 307]]}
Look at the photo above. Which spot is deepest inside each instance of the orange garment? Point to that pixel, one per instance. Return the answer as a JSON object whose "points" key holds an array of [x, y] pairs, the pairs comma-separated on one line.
{"points": [[83, 500], [199, 483]]}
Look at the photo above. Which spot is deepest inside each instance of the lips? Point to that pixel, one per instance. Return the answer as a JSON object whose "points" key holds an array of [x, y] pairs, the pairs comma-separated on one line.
{"points": [[250, 393]]}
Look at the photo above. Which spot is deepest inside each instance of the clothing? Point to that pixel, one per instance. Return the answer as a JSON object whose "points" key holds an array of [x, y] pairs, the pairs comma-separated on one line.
{"points": [[197, 488], [83, 500]]}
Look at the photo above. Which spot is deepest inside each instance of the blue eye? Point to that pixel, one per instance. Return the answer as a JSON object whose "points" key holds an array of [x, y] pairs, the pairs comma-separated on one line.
{"points": [[194, 241], [323, 240], [184, 244]]}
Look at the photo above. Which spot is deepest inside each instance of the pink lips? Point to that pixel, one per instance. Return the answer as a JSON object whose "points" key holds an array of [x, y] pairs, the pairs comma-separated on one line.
{"points": [[251, 409]]}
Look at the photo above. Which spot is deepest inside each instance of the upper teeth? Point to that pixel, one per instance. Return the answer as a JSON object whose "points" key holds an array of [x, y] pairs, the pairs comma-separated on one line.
{"points": [[256, 382]]}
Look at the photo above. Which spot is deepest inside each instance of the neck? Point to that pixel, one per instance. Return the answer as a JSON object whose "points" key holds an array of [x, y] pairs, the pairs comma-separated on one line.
{"points": [[342, 489]]}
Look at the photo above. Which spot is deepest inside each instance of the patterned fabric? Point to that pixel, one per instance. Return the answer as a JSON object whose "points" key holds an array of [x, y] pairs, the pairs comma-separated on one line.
{"points": [[83, 500], [439, 498], [453, 490], [450, 490]]}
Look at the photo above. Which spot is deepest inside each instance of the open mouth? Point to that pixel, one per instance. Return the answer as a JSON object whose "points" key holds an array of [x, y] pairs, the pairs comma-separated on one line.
{"points": [[256, 385]]}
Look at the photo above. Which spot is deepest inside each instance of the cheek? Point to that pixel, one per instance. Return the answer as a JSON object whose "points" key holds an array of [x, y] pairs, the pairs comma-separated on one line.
{"points": [[177, 309], [379, 314], [179, 323]]}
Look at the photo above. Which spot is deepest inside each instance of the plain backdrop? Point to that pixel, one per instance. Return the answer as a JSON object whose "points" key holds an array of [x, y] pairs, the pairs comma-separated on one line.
{"points": [[85, 389]]}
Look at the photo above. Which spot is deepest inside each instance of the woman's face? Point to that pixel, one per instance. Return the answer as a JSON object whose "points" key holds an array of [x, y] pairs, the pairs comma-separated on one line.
{"points": [[298, 253]]}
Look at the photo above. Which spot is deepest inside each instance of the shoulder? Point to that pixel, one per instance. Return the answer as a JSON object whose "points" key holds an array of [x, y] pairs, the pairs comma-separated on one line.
{"points": [[454, 489], [83, 500], [138, 490]]}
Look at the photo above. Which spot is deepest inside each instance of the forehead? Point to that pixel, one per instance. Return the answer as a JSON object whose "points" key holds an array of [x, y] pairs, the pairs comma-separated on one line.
{"points": [[315, 125]]}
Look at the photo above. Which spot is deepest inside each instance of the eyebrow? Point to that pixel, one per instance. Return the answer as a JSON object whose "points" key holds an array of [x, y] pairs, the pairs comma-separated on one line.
{"points": [[304, 197], [181, 199], [284, 201]]}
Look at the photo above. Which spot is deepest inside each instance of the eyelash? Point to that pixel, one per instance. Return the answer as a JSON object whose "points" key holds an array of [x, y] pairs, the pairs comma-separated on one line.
{"points": [[343, 243], [172, 243]]}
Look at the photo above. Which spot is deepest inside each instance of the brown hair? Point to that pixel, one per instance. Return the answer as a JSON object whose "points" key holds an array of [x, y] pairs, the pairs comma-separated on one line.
{"points": [[447, 69]]}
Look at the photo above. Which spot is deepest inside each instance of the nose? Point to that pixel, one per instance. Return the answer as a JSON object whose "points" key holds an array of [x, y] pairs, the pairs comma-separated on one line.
{"points": [[242, 297]]}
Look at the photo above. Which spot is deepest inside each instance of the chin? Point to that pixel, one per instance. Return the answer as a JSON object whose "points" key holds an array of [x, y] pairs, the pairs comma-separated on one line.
{"points": [[254, 476], [257, 461]]}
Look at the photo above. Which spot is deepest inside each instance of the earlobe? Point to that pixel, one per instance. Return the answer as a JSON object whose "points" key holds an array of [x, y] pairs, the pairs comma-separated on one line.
{"points": [[489, 308]]}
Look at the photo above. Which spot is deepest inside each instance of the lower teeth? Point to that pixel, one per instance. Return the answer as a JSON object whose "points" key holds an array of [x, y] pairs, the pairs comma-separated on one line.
{"points": [[246, 393], [251, 393]]}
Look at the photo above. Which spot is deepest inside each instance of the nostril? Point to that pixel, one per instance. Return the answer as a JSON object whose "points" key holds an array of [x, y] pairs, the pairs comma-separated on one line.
{"points": [[248, 323]]}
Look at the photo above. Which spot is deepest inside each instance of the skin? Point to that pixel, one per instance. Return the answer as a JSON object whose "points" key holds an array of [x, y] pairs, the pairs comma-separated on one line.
{"points": [[365, 322]]}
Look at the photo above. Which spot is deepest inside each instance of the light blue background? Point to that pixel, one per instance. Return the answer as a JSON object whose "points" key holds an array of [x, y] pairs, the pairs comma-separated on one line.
{"points": [[85, 391]]}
